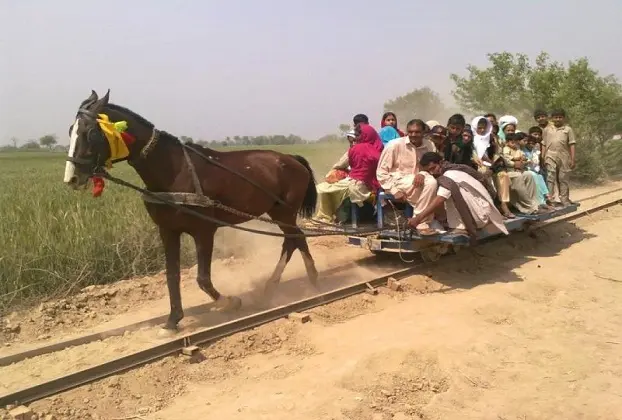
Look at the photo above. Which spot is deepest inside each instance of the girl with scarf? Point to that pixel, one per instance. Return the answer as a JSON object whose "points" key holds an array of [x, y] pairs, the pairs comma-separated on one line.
{"points": [[363, 157], [389, 130]]}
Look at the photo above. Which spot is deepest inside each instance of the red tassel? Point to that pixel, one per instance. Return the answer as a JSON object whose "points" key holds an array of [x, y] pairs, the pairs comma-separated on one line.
{"points": [[128, 138], [98, 186]]}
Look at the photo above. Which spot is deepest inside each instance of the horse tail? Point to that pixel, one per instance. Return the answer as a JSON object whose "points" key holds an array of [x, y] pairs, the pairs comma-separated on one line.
{"points": [[310, 201]]}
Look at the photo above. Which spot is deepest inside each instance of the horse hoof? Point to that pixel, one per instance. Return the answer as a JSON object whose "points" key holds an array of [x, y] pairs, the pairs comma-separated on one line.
{"points": [[228, 304], [166, 333]]}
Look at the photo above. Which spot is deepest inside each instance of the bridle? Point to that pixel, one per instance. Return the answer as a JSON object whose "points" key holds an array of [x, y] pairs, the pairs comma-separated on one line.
{"points": [[96, 137]]}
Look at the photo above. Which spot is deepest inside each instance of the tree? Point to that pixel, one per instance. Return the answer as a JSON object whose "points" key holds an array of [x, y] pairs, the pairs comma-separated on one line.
{"points": [[344, 128], [186, 139], [421, 103], [48, 141], [30, 144], [512, 84], [14, 142]]}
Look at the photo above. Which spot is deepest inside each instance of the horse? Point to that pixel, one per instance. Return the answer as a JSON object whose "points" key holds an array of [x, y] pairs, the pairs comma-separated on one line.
{"points": [[253, 182]]}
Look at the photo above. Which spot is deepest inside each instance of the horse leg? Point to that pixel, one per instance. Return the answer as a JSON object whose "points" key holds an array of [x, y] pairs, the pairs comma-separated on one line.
{"points": [[287, 250], [289, 246], [172, 243], [204, 241], [303, 246]]}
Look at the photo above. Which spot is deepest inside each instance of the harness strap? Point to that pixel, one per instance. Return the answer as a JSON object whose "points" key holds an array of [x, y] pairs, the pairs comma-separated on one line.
{"points": [[193, 174]]}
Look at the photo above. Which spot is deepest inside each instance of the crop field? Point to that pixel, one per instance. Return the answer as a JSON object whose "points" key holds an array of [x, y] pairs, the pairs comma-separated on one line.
{"points": [[54, 240]]}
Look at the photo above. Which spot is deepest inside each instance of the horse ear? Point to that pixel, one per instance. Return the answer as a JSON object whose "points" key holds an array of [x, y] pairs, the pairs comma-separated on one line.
{"points": [[101, 102], [93, 97]]}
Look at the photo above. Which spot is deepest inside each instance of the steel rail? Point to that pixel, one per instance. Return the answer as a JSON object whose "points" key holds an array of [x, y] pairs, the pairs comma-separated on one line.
{"points": [[115, 332], [140, 358]]}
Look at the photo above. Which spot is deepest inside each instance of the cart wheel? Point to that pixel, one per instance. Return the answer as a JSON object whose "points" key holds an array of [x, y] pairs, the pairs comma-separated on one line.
{"points": [[430, 254]]}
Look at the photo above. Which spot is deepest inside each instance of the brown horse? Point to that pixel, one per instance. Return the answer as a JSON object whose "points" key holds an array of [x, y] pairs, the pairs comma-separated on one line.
{"points": [[251, 181]]}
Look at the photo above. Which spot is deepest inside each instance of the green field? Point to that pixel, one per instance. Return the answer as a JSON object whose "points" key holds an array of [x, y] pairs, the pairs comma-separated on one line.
{"points": [[54, 241]]}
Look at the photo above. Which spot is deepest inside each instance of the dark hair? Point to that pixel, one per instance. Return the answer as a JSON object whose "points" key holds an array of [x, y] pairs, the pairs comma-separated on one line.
{"points": [[519, 136], [532, 139], [360, 118], [430, 157], [456, 119], [482, 121], [418, 122], [490, 114], [439, 129], [386, 114], [535, 129], [558, 113], [512, 137], [539, 112]]}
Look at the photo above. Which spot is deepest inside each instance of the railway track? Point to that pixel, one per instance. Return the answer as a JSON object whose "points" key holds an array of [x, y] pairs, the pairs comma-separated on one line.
{"points": [[213, 333]]}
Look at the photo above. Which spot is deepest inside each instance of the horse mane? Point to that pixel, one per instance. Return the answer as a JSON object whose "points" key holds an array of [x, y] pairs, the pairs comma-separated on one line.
{"points": [[163, 134]]}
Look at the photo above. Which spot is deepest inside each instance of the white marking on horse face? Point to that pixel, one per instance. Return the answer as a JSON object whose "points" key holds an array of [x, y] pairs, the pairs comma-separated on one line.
{"points": [[70, 167]]}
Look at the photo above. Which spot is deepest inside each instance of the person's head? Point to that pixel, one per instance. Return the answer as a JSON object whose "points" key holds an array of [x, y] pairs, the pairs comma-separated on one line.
{"points": [[521, 140], [389, 118], [438, 134], [482, 125], [491, 117], [351, 136], [360, 119], [509, 129], [511, 141], [415, 130], [531, 142], [536, 132], [467, 135], [455, 125], [365, 133], [558, 116], [431, 163], [541, 117]]}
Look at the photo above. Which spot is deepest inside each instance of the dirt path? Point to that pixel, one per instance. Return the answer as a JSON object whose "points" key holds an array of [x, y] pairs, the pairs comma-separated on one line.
{"points": [[523, 328]]}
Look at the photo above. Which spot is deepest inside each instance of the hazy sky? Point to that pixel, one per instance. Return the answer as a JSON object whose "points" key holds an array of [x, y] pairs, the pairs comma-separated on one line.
{"points": [[209, 69]]}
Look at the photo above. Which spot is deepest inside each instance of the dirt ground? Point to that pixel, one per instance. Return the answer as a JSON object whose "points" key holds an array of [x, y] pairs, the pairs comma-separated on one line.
{"points": [[521, 328]]}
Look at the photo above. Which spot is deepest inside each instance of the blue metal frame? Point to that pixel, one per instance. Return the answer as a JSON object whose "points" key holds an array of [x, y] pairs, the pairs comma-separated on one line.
{"points": [[409, 241]]}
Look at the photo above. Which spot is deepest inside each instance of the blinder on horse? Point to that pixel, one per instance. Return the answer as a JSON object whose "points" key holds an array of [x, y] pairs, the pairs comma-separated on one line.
{"points": [[97, 141]]}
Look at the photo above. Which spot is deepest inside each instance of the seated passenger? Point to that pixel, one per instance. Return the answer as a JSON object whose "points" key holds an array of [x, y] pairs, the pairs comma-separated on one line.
{"points": [[456, 149], [523, 189], [533, 166], [490, 162], [437, 135], [389, 130], [468, 205], [399, 173], [334, 190], [363, 157]]}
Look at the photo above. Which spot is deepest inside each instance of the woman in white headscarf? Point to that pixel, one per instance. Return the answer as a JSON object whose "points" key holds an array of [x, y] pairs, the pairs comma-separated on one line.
{"points": [[488, 160]]}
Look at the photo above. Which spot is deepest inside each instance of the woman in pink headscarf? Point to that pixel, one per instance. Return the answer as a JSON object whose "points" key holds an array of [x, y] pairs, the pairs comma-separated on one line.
{"points": [[363, 158]]}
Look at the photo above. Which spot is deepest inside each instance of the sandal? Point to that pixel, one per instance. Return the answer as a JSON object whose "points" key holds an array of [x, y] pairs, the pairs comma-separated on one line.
{"points": [[427, 232]]}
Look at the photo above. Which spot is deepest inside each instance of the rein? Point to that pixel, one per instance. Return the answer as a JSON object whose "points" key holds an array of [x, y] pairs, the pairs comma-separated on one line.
{"points": [[157, 198]]}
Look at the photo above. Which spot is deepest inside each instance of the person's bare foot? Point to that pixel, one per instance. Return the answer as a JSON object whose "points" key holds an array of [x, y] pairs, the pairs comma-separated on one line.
{"points": [[505, 211]]}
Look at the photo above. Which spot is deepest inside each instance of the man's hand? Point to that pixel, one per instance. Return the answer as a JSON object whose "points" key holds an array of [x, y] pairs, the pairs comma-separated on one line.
{"points": [[413, 222], [573, 165], [419, 180], [519, 165], [399, 196]]}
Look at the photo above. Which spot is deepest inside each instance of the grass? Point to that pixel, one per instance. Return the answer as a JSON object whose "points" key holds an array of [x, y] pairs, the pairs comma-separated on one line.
{"points": [[56, 241]]}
